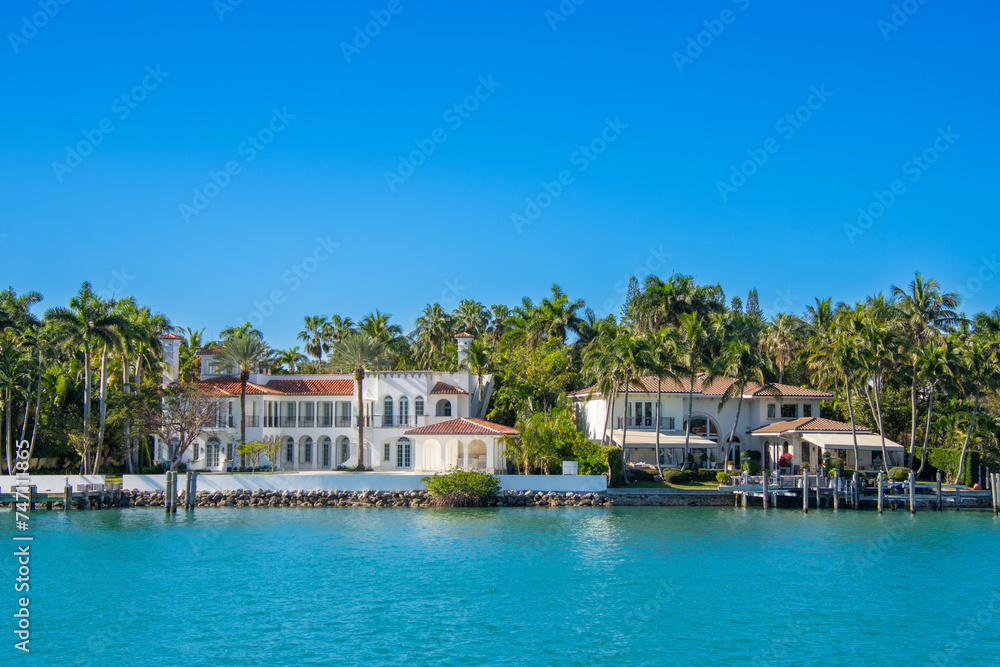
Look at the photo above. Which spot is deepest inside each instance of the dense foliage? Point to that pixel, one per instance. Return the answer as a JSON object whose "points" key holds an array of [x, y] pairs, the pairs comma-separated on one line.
{"points": [[461, 488]]}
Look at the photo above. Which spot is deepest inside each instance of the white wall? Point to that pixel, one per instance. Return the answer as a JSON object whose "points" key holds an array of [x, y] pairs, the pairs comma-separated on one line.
{"points": [[361, 482], [50, 482]]}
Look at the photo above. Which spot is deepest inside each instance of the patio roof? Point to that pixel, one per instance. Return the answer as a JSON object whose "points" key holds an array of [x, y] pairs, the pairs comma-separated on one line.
{"points": [[668, 440], [866, 441]]}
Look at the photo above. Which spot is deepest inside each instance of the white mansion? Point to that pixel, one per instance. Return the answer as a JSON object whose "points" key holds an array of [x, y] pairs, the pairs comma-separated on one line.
{"points": [[416, 421], [772, 422]]}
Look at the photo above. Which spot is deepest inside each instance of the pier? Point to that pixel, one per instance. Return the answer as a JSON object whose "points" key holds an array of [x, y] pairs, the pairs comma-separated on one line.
{"points": [[82, 496]]}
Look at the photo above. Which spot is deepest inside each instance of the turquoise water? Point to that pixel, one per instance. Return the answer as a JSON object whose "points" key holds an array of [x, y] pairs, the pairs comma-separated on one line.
{"points": [[531, 586]]}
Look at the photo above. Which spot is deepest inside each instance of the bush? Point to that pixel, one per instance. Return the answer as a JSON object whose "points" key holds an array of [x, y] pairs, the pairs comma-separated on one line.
{"points": [[462, 489], [899, 474], [947, 460], [723, 477], [751, 467], [785, 460], [833, 463], [676, 476], [641, 475], [754, 456]]}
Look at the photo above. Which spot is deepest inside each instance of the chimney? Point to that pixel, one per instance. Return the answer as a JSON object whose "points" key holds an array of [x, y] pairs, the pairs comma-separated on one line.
{"points": [[462, 341], [171, 344]]}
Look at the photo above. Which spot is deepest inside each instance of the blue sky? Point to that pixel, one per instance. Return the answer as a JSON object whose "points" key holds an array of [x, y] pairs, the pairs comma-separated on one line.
{"points": [[641, 137]]}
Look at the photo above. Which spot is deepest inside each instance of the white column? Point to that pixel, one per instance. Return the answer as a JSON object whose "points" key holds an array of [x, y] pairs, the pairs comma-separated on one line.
{"points": [[465, 454]]}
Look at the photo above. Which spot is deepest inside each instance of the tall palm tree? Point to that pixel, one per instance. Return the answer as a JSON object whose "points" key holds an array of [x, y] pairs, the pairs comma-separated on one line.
{"points": [[377, 326], [478, 360], [247, 354], [556, 317], [879, 342], [742, 359], [498, 321], [245, 329], [290, 358], [315, 335], [432, 335], [472, 317], [600, 366], [340, 327], [924, 313], [933, 367], [692, 358], [632, 354], [87, 325], [189, 364], [782, 341], [662, 362], [980, 368], [357, 352]]}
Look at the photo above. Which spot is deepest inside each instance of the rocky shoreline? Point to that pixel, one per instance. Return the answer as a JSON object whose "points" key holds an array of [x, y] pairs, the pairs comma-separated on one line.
{"points": [[246, 498]]}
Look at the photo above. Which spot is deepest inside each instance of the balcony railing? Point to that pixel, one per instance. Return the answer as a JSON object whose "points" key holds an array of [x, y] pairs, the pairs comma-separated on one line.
{"points": [[286, 422], [642, 423], [325, 420], [252, 420], [344, 422], [306, 422], [387, 421]]}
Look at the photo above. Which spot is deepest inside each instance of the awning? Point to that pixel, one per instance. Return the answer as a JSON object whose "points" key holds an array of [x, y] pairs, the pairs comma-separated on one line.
{"points": [[868, 442], [668, 440]]}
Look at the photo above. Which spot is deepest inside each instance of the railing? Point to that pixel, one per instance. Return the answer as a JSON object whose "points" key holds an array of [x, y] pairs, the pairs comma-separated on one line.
{"points": [[286, 422], [252, 420], [306, 422], [344, 422], [387, 421], [326, 420], [641, 423]]}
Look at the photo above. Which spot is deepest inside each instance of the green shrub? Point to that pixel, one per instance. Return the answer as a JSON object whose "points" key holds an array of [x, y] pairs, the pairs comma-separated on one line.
{"points": [[640, 475], [899, 474], [723, 477], [460, 488], [947, 460], [754, 456], [676, 476], [751, 466]]}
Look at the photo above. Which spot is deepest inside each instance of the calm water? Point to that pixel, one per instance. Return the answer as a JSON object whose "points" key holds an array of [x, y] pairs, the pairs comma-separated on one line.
{"points": [[532, 586]]}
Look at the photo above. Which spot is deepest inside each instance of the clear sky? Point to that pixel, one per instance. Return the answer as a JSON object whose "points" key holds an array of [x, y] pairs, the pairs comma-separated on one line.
{"points": [[636, 117]]}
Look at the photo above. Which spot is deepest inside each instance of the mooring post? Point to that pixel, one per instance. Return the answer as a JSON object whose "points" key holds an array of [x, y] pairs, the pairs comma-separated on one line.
{"points": [[194, 488], [881, 495], [819, 492], [166, 494], [940, 500], [67, 497], [805, 492], [836, 489], [32, 490], [857, 490], [173, 497], [763, 487], [913, 500], [994, 478]]}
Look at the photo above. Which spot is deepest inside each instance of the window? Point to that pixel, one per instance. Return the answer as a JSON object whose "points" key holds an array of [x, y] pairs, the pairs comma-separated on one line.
{"points": [[326, 453], [306, 450], [404, 411], [443, 408], [643, 414], [790, 411], [345, 448], [386, 452], [326, 412], [770, 410], [418, 406], [289, 450], [343, 413], [229, 451], [212, 452], [402, 453], [387, 411], [196, 447], [807, 410]]}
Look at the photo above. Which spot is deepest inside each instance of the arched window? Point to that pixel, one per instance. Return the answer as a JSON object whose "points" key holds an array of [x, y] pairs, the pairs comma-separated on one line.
{"points": [[345, 448], [403, 452], [477, 455], [404, 411], [705, 428], [443, 408], [418, 406], [326, 448], [387, 411], [212, 452], [289, 450], [306, 450]]}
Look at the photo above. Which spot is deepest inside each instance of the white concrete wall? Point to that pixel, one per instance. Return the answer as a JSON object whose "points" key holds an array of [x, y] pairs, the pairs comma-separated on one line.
{"points": [[51, 482], [361, 482]]}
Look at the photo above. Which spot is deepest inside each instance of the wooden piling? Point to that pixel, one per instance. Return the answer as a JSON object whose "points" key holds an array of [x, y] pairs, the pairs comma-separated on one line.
{"points": [[32, 491], [819, 492], [881, 494], [166, 493], [913, 499], [857, 491], [764, 489], [836, 489], [805, 492], [67, 497], [940, 500], [994, 478]]}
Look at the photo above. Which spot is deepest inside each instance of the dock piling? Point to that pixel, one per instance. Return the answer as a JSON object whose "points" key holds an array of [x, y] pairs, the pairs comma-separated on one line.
{"points": [[31, 498], [836, 489], [166, 493], [819, 492], [67, 497], [913, 500], [856, 503], [764, 489], [881, 493], [994, 478], [805, 492], [940, 501]]}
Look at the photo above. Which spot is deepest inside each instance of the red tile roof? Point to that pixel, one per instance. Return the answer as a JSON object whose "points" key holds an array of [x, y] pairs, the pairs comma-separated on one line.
{"points": [[171, 337], [717, 387], [464, 426], [230, 386], [209, 350], [464, 334], [444, 388], [313, 387], [806, 424]]}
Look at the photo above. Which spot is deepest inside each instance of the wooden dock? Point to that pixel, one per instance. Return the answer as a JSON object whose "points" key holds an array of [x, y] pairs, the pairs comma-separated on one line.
{"points": [[84, 496]]}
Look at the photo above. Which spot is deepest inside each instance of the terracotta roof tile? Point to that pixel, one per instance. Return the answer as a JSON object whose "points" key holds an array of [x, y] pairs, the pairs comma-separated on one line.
{"points": [[717, 387], [464, 426], [230, 385], [313, 387], [806, 424], [209, 350], [464, 334], [445, 388], [171, 337]]}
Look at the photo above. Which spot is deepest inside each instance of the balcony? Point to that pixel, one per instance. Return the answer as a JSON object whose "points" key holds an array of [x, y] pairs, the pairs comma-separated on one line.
{"points": [[252, 421], [306, 422], [344, 422], [286, 422], [646, 424]]}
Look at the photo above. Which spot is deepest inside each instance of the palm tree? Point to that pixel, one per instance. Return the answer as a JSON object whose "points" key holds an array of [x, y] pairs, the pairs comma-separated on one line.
{"points": [[471, 316], [315, 335], [246, 353], [742, 359], [189, 364], [924, 312], [632, 354], [661, 303], [933, 366], [692, 358], [979, 361], [291, 357], [497, 326], [377, 326], [878, 342], [478, 361], [87, 324], [340, 327], [433, 334], [782, 341], [357, 352], [600, 364], [556, 317], [662, 359], [245, 329]]}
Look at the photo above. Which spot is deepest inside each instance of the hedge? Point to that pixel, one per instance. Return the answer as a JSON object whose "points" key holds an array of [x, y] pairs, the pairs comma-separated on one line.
{"points": [[947, 460]]}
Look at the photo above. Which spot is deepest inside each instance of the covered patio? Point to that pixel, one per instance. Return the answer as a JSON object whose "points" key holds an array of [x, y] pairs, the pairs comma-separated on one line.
{"points": [[809, 440], [640, 447]]}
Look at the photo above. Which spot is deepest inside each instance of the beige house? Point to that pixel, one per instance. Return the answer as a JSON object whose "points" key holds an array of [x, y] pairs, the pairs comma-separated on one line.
{"points": [[810, 439]]}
